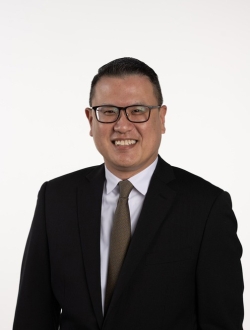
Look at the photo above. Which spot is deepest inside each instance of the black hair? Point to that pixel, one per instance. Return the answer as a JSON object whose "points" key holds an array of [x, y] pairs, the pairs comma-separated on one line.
{"points": [[127, 66]]}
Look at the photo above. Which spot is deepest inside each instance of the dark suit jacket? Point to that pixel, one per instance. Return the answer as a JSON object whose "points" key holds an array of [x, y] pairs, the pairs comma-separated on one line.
{"points": [[182, 270]]}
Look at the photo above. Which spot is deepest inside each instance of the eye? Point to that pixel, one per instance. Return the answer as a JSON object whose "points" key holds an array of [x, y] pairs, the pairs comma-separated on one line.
{"points": [[108, 111], [138, 110]]}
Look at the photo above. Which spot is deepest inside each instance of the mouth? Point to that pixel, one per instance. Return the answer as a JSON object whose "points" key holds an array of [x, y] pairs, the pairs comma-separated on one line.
{"points": [[127, 142]]}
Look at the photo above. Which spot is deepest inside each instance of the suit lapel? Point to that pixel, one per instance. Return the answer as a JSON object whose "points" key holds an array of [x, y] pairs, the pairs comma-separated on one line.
{"points": [[157, 204], [89, 214]]}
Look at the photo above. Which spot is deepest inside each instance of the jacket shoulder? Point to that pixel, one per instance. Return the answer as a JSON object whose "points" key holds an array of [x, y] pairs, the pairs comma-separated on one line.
{"points": [[194, 184], [75, 178]]}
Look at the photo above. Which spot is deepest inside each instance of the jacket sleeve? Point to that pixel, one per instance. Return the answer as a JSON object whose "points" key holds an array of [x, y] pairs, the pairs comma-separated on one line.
{"points": [[219, 277], [37, 308]]}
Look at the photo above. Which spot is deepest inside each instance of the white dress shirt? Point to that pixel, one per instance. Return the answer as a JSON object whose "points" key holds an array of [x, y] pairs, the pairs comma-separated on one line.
{"points": [[110, 197]]}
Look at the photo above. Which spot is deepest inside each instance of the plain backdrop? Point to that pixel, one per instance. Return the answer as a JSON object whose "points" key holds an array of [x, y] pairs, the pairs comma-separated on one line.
{"points": [[50, 51]]}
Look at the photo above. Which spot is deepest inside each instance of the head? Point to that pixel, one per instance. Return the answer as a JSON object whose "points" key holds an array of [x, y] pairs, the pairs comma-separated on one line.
{"points": [[127, 147]]}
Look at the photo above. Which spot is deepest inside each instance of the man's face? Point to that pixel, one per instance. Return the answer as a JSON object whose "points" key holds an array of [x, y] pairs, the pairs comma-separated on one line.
{"points": [[126, 160]]}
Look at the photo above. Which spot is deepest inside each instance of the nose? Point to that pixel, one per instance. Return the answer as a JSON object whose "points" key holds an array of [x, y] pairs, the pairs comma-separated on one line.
{"points": [[123, 125]]}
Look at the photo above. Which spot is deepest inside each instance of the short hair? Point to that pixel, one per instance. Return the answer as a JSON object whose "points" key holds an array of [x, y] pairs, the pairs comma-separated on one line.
{"points": [[127, 66]]}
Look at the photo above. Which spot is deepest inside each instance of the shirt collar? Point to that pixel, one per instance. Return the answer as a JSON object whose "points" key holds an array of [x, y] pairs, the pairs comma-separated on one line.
{"points": [[140, 181]]}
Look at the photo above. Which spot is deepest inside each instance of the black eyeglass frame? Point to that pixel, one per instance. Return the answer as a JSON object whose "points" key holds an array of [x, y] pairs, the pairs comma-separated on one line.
{"points": [[124, 109]]}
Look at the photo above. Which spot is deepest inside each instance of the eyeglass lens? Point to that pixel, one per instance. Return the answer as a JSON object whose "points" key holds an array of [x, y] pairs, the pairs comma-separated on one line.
{"points": [[108, 114]]}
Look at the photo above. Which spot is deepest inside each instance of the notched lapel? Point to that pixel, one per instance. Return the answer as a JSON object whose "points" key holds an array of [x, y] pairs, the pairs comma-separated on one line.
{"points": [[157, 204], [89, 202]]}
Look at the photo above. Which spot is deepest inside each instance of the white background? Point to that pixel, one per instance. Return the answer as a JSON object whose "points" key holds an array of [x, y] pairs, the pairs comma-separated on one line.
{"points": [[49, 52]]}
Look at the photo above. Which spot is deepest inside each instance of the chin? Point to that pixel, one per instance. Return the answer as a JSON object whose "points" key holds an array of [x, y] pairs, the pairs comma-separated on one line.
{"points": [[122, 166], [126, 162], [126, 166]]}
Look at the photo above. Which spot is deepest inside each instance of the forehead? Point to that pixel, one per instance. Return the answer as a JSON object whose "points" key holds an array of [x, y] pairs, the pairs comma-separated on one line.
{"points": [[124, 90]]}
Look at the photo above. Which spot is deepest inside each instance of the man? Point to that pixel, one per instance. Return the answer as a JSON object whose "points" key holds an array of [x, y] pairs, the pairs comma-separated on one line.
{"points": [[163, 256]]}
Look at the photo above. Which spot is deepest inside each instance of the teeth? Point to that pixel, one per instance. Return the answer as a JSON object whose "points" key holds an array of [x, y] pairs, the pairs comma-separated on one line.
{"points": [[124, 142]]}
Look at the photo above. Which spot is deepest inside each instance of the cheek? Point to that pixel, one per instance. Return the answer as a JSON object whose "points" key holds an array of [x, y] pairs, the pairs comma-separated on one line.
{"points": [[152, 136], [100, 135]]}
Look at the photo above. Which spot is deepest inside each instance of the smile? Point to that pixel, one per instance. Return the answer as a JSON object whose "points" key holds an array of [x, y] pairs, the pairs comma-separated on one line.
{"points": [[124, 142]]}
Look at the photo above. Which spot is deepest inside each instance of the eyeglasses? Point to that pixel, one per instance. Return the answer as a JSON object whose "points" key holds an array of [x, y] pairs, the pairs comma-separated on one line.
{"points": [[135, 113]]}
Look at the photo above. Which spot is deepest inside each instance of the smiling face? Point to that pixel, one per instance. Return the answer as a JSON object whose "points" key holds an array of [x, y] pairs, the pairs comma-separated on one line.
{"points": [[127, 148]]}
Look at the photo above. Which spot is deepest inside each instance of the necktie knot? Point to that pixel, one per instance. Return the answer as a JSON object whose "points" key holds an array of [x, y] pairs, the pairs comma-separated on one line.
{"points": [[125, 188]]}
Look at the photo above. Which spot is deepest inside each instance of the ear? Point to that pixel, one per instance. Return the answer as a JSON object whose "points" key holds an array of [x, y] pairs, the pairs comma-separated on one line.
{"points": [[89, 115], [162, 114]]}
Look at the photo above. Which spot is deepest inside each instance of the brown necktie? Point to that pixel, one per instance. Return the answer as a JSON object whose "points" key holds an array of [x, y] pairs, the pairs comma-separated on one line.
{"points": [[119, 240]]}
